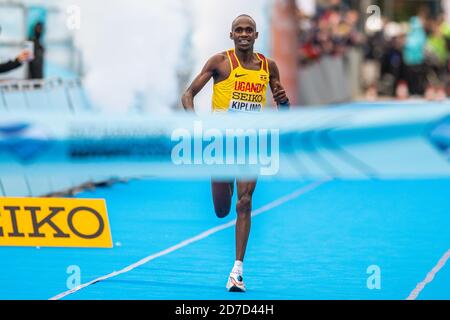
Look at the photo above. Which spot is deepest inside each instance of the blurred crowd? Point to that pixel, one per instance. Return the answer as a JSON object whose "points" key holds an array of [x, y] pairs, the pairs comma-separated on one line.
{"points": [[401, 59], [331, 31], [413, 57]]}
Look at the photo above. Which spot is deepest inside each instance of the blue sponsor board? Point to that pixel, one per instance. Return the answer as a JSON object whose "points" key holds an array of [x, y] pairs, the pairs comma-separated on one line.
{"points": [[23, 140]]}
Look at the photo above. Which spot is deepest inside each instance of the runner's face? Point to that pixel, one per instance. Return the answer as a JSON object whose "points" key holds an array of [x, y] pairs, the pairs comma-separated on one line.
{"points": [[244, 33]]}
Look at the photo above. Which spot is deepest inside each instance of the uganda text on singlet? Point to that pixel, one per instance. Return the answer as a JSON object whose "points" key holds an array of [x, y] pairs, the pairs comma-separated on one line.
{"points": [[244, 90]]}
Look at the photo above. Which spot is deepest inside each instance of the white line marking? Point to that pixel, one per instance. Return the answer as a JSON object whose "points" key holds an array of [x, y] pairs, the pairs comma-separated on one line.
{"points": [[430, 276], [198, 237]]}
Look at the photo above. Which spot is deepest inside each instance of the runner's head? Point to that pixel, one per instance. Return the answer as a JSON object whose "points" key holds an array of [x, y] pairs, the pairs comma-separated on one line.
{"points": [[243, 32]]}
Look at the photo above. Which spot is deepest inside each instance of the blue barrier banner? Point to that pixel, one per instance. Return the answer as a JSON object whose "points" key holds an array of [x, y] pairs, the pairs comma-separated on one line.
{"points": [[354, 142]]}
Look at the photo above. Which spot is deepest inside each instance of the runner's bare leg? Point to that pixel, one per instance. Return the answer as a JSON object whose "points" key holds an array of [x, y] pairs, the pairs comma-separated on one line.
{"points": [[222, 192], [244, 209]]}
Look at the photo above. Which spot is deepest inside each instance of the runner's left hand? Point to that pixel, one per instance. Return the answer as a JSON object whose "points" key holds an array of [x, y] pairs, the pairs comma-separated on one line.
{"points": [[280, 96]]}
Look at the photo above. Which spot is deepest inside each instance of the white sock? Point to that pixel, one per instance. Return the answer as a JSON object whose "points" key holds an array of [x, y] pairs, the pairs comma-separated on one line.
{"points": [[238, 267]]}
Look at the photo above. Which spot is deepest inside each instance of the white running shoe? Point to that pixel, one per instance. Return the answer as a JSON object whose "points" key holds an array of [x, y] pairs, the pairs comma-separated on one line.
{"points": [[235, 283]]}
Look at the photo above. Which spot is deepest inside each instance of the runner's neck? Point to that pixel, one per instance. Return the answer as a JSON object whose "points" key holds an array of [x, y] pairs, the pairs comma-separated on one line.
{"points": [[245, 57]]}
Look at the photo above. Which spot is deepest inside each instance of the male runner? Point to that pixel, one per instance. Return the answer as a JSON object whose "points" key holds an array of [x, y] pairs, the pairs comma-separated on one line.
{"points": [[240, 78]]}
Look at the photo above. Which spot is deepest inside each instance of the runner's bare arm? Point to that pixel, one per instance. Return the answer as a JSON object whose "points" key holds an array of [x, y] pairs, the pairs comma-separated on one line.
{"points": [[208, 71], [278, 92]]}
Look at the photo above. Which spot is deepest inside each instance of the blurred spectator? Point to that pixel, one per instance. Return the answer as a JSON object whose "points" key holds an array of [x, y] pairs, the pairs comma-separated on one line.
{"points": [[392, 65], [36, 67], [437, 55], [414, 55], [17, 62], [374, 48]]}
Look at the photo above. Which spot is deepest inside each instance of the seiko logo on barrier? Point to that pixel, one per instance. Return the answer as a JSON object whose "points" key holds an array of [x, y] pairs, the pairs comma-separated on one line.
{"points": [[51, 222]]}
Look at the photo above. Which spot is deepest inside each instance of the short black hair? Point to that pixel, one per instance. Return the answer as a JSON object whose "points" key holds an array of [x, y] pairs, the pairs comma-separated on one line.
{"points": [[242, 16]]}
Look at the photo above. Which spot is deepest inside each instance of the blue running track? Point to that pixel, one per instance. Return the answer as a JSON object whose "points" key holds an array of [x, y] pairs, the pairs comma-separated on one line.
{"points": [[316, 244]]}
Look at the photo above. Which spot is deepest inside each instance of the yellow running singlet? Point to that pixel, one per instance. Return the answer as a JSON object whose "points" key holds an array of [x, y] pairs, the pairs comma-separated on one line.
{"points": [[244, 90]]}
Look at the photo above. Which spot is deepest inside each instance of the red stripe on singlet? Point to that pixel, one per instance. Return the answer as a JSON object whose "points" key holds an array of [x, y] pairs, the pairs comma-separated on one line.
{"points": [[233, 58], [264, 60]]}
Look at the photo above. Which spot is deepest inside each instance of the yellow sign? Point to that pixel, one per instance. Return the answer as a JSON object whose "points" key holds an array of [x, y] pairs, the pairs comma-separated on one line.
{"points": [[54, 222]]}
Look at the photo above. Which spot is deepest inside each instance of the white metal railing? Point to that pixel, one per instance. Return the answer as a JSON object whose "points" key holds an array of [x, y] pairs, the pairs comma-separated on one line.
{"points": [[24, 87]]}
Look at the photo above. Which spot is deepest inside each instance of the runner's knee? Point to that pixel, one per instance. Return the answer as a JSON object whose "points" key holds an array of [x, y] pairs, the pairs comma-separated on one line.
{"points": [[244, 205], [222, 211]]}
